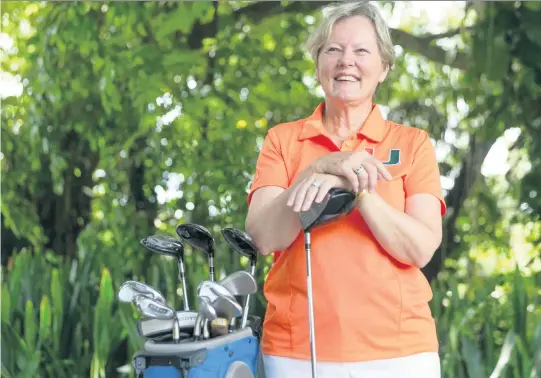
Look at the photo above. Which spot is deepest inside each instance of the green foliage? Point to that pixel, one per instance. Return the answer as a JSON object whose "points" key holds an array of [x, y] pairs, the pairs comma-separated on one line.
{"points": [[52, 337], [489, 326]]}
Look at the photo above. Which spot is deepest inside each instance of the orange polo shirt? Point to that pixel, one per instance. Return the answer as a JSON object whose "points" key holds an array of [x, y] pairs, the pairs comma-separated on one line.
{"points": [[367, 305]]}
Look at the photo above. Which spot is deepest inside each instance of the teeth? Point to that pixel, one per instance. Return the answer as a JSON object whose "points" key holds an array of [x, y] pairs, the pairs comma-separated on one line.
{"points": [[346, 78]]}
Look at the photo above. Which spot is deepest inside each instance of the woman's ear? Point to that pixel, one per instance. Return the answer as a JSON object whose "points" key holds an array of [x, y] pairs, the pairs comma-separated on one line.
{"points": [[384, 74]]}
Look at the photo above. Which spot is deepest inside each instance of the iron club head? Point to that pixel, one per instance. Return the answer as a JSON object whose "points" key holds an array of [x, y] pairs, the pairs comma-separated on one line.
{"points": [[226, 307], [152, 308], [130, 289], [240, 283], [211, 289], [206, 308]]}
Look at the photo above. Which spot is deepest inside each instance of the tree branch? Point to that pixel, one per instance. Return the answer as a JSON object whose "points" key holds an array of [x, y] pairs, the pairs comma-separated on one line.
{"points": [[478, 149], [447, 34], [258, 11], [422, 46]]}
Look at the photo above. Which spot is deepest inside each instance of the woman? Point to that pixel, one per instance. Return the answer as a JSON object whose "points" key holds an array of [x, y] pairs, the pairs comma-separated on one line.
{"points": [[372, 317]]}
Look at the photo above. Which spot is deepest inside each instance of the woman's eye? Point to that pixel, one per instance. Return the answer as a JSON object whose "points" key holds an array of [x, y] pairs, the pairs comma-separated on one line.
{"points": [[362, 50], [330, 49]]}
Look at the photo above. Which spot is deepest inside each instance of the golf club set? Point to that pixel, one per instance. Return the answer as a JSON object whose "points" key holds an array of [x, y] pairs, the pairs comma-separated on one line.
{"points": [[209, 342], [219, 339]]}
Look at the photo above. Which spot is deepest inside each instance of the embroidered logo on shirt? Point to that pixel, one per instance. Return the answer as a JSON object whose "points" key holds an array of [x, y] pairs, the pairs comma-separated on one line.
{"points": [[392, 159]]}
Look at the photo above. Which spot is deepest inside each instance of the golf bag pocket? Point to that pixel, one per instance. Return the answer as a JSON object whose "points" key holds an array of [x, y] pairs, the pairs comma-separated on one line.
{"points": [[212, 358], [220, 359]]}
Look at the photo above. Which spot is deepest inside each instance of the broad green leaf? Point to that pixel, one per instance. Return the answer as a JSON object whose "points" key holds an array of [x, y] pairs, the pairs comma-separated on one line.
{"points": [[505, 355], [6, 304], [57, 299], [45, 315], [30, 325]]}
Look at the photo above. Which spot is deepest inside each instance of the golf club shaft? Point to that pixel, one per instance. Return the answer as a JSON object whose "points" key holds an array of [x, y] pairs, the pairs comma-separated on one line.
{"points": [[310, 304], [182, 277], [247, 303], [211, 267]]}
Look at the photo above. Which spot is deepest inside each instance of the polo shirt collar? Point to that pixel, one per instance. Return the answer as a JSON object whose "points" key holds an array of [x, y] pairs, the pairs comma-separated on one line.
{"points": [[373, 128]]}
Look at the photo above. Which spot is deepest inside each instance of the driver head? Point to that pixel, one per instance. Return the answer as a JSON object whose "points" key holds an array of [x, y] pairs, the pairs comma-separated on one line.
{"points": [[197, 236], [241, 242], [337, 203], [165, 245]]}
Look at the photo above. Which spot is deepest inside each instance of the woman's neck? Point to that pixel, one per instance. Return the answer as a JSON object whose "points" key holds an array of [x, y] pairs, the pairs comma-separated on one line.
{"points": [[341, 121]]}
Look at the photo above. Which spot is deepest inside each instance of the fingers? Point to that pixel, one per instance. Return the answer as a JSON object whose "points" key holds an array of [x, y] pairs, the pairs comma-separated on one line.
{"points": [[310, 190], [362, 177], [303, 195], [325, 187], [371, 173], [311, 193], [382, 170], [353, 178]]}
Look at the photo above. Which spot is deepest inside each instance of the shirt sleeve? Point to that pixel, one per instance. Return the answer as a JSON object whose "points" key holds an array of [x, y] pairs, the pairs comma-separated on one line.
{"points": [[270, 167], [424, 175]]}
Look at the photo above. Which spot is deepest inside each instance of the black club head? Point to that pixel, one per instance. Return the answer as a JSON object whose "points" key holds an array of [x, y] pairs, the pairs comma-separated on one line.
{"points": [[338, 203], [241, 242]]}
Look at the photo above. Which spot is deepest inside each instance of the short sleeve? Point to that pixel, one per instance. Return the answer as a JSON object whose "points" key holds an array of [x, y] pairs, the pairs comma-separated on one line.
{"points": [[270, 167], [424, 175]]}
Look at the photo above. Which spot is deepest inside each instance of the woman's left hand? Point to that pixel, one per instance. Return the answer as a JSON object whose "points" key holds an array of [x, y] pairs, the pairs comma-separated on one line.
{"points": [[314, 188]]}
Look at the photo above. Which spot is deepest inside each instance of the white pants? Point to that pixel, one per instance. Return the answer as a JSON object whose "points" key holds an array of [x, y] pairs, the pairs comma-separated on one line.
{"points": [[422, 365]]}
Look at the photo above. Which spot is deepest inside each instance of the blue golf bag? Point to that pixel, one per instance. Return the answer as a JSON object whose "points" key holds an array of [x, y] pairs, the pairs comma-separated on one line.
{"points": [[235, 355]]}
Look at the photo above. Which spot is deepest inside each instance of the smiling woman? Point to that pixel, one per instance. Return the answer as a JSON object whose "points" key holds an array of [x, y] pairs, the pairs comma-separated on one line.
{"points": [[370, 298]]}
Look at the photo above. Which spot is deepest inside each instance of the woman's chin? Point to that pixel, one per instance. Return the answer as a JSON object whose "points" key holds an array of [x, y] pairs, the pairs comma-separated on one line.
{"points": [[347, 98]]}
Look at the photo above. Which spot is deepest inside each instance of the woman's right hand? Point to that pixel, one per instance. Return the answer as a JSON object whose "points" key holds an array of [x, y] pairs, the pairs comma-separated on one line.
{"points": [[314, 188], [360, 168]]}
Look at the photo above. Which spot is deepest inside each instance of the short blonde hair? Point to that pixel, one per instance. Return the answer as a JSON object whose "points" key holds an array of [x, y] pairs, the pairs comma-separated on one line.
{"points": [[339, 11]]}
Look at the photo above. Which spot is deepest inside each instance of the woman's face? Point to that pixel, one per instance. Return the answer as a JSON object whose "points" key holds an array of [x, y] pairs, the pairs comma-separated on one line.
{"points": [[350, 65]]}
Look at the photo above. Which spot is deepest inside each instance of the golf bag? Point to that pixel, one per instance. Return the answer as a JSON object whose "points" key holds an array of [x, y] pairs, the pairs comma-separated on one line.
{"points": [[235, 355]]}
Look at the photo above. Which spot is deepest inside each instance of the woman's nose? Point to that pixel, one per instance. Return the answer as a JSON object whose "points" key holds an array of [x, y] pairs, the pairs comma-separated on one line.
{"points": [[347, 58]]}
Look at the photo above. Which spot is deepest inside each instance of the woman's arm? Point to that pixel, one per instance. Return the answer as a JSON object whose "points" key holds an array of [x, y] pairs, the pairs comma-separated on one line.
{"points": [[411, 237], [272, 225], [273, 218]]}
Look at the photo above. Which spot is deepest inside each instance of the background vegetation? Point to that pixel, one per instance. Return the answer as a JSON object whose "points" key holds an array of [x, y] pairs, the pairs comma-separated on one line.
{"points": [[133, 117]]}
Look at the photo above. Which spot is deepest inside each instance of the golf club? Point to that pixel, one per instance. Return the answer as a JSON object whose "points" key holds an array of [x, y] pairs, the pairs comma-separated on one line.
{"points": [[242, 243], [206, 308], [338, 203], [152, 308], [169, 246], [153, 328], [200, 238], [240, 283], [157, 310], [212, 289], [226, 306], [130, 289]]}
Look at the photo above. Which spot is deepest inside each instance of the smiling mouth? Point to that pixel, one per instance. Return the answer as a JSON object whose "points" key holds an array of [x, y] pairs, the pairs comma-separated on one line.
{"points": [[346, 79]]}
